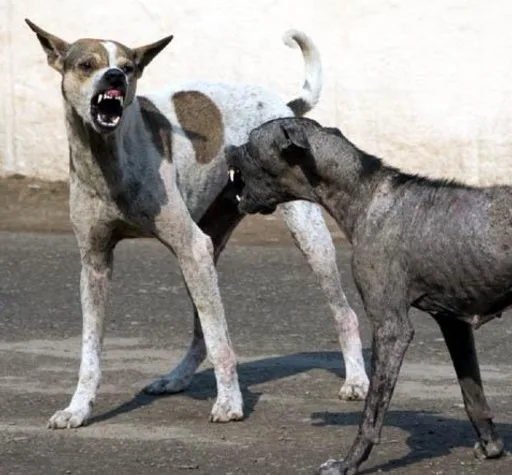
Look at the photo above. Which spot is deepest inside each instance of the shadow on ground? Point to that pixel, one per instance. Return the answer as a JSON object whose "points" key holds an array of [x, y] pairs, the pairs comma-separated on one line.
{"points": [[250, 373], [430, 434]]}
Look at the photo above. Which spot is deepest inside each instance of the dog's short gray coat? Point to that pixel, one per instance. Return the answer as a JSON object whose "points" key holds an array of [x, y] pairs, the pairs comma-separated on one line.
{"points": [[436, 245]]}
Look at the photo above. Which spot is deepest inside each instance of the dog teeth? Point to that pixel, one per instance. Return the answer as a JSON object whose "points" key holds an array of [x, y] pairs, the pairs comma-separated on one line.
{"points": [[238, 197], [107, 95], [231, 174], [109, 123]]}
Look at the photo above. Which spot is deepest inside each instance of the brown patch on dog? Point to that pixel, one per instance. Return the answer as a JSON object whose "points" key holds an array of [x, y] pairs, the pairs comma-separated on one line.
{"points": [[158, 127], [202, 123]]}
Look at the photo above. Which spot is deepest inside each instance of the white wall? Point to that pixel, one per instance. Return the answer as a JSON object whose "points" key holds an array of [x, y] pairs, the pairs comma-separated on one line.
{"points": [[426, 85]]}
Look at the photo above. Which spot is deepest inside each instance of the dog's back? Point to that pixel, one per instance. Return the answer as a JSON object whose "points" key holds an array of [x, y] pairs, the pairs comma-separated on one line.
{"points": [[457, 241], [237, 107], [206, 116]]}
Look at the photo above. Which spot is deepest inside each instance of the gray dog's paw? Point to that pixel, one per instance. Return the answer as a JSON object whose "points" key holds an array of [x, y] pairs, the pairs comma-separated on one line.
{"points": [[490, 450], [335, 467], [331, 467]]}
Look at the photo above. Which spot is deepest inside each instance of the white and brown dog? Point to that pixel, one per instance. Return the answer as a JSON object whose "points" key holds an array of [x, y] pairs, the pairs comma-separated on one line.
{"points": [[154, 166]]}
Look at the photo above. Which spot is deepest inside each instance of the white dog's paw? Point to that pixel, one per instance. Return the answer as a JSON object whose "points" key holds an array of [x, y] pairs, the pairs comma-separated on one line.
{"points": [[167, 385], [68, 419], [227, 409], [354, 390]]}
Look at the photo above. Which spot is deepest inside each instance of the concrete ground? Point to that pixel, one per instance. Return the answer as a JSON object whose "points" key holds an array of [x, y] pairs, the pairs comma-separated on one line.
{"points": [[290, 369]]}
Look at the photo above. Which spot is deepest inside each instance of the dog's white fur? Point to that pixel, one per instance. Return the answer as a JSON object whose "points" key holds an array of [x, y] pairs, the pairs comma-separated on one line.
{"points": [[176, 194]]}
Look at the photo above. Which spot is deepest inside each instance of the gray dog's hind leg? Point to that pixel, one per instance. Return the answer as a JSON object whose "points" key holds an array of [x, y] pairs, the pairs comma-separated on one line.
{"points": [[461, 345], [310, 233], [218, 222]]}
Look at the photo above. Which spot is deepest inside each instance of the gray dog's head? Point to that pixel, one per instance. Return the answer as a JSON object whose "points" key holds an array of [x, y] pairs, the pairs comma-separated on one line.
{"points": [[99, 77], [276, 164]]}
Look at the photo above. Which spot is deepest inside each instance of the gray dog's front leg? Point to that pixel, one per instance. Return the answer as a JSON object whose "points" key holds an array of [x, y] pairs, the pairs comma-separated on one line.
{"points": [[310, 233], [392, 335], [95, 278]]}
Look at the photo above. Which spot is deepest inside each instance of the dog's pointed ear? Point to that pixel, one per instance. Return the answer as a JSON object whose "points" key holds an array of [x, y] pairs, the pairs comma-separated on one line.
{"points": [[145, 54], [293, 142], [295, 149], [54, 47]]}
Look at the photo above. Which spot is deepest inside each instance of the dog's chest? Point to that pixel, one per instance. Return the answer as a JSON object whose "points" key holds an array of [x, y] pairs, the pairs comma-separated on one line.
{"points": [[136, 198], [139, 201]]}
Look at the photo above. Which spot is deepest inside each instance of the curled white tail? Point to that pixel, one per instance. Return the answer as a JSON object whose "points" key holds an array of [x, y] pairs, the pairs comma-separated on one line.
{"points": [[312, 87]]}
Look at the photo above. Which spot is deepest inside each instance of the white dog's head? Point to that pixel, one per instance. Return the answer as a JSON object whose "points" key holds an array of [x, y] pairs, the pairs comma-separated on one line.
{"points": [[99, 77]]}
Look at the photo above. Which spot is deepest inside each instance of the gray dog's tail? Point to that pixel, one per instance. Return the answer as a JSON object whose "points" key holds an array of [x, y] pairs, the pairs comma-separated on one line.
{"points": [[312, 87]]}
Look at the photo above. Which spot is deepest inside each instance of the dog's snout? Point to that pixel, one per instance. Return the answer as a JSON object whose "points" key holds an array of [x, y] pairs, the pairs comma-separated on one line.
{"points": [[115, 77], [230, 153], [230, 149]]}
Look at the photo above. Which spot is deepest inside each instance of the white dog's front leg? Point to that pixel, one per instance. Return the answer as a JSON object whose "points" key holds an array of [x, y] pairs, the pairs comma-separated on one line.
{"points": [[310, 233], [197, 265], [94, 283], [194, 251]]}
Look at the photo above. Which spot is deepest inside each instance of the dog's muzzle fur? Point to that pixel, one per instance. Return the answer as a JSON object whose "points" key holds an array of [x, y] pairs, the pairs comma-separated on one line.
{"points": [[107, 105]]}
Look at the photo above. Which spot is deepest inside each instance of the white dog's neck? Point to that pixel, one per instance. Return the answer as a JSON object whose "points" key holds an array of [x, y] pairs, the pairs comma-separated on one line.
{"points": [[100, 161]]}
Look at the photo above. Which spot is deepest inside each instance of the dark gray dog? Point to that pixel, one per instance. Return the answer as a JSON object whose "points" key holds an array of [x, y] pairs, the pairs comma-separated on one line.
{"points": [[439, 246]]}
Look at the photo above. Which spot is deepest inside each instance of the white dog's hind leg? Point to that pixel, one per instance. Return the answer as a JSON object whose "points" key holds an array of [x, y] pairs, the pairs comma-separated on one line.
{"points": [[95, 278], [310, 233], [181, 376]]}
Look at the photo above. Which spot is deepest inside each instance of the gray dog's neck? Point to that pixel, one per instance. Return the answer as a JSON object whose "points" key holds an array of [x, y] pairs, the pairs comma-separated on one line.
{"points": [[349, 181]]}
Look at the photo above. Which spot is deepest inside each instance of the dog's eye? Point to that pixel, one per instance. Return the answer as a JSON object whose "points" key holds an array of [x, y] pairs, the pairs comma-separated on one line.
{"points": [[127, 68], [85, 66]]}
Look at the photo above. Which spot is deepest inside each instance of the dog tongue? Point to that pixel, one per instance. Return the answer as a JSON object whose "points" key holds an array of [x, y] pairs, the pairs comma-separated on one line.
{"points": [[114, 92]]}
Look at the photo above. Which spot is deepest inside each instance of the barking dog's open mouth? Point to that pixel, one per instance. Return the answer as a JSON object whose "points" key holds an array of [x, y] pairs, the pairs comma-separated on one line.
{"points": [[107, 108], [247, 202], [235, 177]]}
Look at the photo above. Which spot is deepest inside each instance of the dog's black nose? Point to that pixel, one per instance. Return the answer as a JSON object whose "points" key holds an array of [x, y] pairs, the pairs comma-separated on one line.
{"points": [[115, 77]]}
